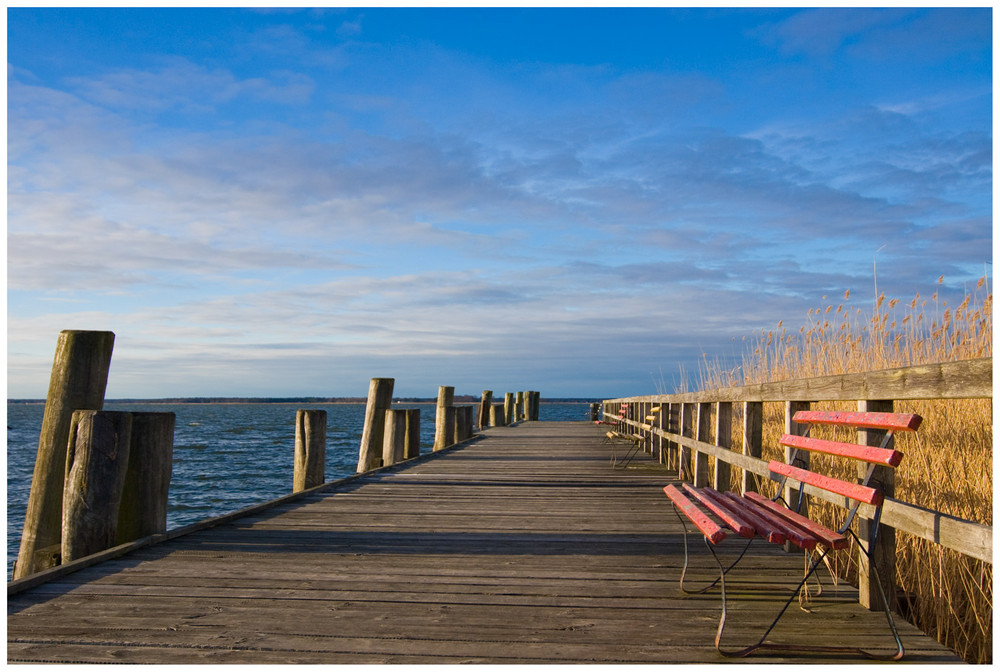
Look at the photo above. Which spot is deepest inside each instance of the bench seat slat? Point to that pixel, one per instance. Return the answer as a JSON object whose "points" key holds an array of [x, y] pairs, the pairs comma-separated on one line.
{"points": [[707, 497], [712, 531], [826, 536], [793, 533], [872, 454], [855, 491], [900, 422], [766, 527]]}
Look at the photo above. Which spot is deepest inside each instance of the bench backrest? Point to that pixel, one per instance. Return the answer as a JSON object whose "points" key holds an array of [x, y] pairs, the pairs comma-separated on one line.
{"points": [[882, 455]]}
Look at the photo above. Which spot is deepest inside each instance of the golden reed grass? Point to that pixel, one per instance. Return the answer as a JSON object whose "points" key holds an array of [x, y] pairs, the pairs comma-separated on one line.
{"points": [[947, 467]]}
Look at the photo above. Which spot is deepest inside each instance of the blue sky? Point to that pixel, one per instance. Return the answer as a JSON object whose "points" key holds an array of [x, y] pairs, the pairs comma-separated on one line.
{"points": [[579, 201]]}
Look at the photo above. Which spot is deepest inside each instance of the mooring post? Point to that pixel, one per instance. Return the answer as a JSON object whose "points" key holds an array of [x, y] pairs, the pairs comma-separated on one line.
{"points": [[536, 399], [444, 427], [463, 422], [497, 416], [310, 449], [78, 381], [411, 447], [484, 409], [594, 406], [96, 463], [509, 408], [372, 436], [143, 509], [394, 443], [519, 407]]}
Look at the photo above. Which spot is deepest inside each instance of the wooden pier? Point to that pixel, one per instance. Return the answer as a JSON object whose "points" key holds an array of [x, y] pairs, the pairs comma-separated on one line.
{"points": [[521, 546]]}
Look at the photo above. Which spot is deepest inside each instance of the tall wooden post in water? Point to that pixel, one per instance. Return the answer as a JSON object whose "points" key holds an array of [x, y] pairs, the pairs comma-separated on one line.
{"points": [[96, 464], [444, 426], [379, 401], [484, 409], [79, 379], [310, 449], [143, 509], [411, 447]]}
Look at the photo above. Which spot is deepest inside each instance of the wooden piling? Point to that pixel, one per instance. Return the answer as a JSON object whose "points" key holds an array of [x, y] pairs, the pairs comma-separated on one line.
{"points": [[509, 408], [519, 406], [78, 381], [143, 509], [373, 434], [96, 464], [411, 447], [497, 416], [463, 422], [394, 442], [534, 400], [310, 449], [444, 432], [484, 409], [594, 406]]}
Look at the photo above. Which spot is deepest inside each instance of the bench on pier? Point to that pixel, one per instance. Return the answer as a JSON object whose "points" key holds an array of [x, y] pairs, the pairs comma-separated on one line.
{"points": [[719, 515], [621, 435]]}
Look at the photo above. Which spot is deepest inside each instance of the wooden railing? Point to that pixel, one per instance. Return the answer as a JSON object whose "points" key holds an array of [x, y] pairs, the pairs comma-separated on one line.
{"points": [[682, 437]]}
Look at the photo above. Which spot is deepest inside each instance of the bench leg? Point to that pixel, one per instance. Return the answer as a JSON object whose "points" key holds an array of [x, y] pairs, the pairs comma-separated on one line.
{"points": [[687, 558], [628, 456], [762, 645]]}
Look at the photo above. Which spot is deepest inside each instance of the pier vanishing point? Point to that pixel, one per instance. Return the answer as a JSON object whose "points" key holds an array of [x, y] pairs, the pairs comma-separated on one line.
{"points": [[522, 545]]}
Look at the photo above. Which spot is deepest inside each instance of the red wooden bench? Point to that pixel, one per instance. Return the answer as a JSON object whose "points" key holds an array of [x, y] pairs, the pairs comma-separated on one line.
{"points": [[621, 434], [718, 515]]}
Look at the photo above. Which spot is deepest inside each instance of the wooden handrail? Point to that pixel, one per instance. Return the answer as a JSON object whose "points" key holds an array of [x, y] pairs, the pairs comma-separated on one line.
{"points": [[967, 379]]}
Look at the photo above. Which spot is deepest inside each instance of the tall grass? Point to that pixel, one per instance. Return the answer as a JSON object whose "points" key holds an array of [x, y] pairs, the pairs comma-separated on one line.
{"points": [[948, 467]]}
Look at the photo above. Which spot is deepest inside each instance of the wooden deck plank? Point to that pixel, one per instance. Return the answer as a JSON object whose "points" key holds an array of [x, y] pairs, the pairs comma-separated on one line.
{"points": [[523, 547]]}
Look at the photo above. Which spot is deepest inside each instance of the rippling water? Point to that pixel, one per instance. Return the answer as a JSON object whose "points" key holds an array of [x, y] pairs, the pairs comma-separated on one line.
{"points": [[226, 456]]}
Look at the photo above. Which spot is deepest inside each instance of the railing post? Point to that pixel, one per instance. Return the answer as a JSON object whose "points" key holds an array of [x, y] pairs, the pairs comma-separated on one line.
{"points": [[96, 463], [673, 426], [660, 444], [444, 432], [753, 439], [723, 439], [705, 435], [684, 464], [310, 449], [884, 552], [373, 434], [143, 509], [791, 495], [78, 381]]}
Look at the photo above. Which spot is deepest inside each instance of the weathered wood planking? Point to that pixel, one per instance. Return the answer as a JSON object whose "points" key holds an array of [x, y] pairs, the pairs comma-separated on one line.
{"points": [[523, 547]]}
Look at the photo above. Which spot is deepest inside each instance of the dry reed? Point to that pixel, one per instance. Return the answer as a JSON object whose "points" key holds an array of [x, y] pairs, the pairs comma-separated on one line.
{"points": [[947, 468]]}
